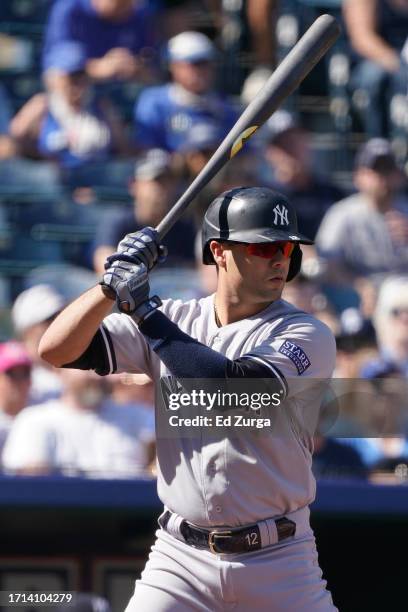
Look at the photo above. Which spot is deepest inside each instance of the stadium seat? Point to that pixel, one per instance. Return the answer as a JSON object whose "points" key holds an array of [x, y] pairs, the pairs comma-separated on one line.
{"points": [[28, 11], [26, 180], [21, 86], [324, 5], [109, 180]]}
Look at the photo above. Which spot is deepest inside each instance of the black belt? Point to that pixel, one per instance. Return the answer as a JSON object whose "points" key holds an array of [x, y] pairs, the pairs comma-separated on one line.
{"points": [[228, 541]]}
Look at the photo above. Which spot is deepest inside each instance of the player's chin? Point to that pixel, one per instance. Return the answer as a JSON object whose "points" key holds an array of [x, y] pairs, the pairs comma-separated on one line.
{"points": [[272, 290], [276, 282]]}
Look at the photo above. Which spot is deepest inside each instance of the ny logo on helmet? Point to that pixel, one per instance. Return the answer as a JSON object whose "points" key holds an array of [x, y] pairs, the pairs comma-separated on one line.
{"points": [[281, 212]]}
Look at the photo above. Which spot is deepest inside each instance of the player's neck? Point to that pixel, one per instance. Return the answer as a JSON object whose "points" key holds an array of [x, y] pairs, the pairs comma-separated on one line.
{"points": [[229, 309]]}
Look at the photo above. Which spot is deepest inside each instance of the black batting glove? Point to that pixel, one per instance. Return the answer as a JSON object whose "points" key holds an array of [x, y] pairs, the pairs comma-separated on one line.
{"points": [[142, 247], [128, 283]]}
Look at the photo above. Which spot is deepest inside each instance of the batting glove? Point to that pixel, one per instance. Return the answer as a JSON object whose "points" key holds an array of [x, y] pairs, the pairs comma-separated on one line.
{"points": [[128, 283], [142, 247]]}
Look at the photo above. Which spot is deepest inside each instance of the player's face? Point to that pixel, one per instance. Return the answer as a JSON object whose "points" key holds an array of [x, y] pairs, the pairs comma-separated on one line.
{"points": [[256, 273]]}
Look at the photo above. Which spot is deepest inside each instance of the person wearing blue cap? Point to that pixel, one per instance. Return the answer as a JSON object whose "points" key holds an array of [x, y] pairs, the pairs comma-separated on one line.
{"points": [[377, 31], [67, 123], [165, 114]]}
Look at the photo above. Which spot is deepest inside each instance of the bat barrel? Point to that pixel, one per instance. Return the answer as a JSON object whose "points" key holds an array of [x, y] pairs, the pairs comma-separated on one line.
{"points": [[286, 78]]}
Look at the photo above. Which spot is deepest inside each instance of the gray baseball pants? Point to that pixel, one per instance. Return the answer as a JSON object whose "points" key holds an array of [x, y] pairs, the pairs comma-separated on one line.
{"points": [[284, 577]]}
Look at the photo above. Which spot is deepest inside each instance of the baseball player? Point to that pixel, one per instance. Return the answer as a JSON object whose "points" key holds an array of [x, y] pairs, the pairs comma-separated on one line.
{"points": [[235, 532]]}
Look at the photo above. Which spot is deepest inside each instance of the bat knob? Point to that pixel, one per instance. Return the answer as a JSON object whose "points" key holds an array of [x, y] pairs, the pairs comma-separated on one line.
{"points": [[124, 306]]}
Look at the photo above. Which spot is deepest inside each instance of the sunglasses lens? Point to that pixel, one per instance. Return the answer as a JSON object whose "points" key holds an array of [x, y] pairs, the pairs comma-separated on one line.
{"points": [[269, 249], [288, 249]]}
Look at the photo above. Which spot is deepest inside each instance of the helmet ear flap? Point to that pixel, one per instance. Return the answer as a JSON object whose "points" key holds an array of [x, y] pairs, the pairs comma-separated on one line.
{"points": [[295, 263], [208, 258]]}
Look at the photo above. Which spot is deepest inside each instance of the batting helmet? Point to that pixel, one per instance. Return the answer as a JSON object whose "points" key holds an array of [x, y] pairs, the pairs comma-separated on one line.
{"points": [[252, 215]]}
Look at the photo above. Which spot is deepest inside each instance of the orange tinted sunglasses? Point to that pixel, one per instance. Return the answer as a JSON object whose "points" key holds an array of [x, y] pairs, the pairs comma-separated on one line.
{"points": [[267, 250]]}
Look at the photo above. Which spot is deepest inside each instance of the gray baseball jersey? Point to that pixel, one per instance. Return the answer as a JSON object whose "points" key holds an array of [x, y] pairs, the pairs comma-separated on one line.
{"points": [[236, 480]]}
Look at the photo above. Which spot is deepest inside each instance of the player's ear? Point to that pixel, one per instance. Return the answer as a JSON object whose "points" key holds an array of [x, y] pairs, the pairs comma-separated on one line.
{"points": [[218, 252]]}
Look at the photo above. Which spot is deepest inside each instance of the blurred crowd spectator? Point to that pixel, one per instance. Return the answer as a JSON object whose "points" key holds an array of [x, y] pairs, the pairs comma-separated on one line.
{"points": [[15, 372], [391, 325], [154, 190], [32, 313], [68, 123], [293, 172], [378, 30], [118, 36], [366, 234], [73, 422], [332, 459], [164, 114], [81, 433]]}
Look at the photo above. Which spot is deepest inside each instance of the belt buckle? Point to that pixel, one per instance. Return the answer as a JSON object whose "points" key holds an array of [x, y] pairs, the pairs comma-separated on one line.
{"points": [[220, 534]]}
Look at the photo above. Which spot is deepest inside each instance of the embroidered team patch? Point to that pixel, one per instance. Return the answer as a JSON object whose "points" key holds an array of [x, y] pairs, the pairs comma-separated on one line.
{"points": [[295, 354]]}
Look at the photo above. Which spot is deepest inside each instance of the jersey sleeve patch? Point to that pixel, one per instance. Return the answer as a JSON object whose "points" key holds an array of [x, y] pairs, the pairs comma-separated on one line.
{"points": [[296, 355]]}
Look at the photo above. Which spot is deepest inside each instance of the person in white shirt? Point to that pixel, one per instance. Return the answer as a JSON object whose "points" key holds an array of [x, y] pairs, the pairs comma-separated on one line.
{"points": [[81, 433], [365, 236], [32, 312]]}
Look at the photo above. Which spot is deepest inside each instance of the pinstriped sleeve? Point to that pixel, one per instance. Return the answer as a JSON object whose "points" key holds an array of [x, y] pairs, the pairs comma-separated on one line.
{"points": [[117, 346], [125, 347]]}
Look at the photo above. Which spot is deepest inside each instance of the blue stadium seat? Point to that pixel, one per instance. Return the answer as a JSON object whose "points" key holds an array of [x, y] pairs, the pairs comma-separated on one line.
{"points": [[21, 86], [25, 180], [113, 173], [325, 5], [108, 180]]}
